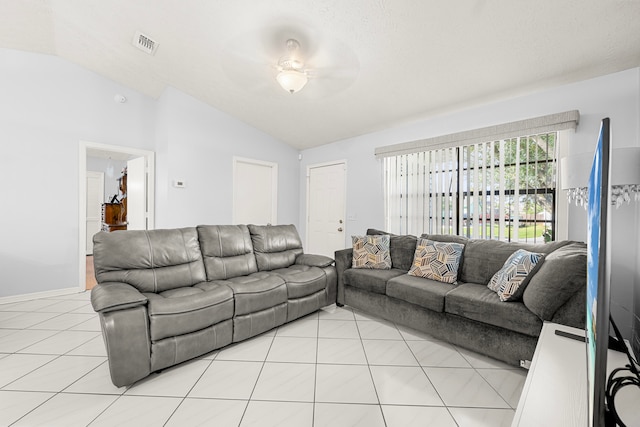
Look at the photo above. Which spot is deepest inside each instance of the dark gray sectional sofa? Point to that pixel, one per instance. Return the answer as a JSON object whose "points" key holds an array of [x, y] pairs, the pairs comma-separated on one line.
{"points": [[167, 296], [469, 314]]}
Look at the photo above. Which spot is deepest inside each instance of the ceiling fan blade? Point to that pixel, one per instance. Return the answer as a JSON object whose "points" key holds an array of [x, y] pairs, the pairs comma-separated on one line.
{"points": [[333, 73], [251, 59]]}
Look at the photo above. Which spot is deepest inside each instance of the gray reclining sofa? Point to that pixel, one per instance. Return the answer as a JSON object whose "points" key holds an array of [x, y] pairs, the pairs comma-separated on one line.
{"points": [[167, 296], [469, 314]]}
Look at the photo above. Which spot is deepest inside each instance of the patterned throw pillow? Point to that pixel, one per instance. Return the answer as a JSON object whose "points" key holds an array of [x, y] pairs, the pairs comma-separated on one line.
{"points": [[509, 282], [371, 252], [437, 260]]}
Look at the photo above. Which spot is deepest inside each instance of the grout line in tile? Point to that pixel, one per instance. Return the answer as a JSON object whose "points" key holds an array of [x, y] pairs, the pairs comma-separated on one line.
{"points": [[375, 388], [189, 391], [264, 362], [105, 409], [315, 373], [34, 343], [35, 369], [426, 375], [358, 322], [36, 407]]}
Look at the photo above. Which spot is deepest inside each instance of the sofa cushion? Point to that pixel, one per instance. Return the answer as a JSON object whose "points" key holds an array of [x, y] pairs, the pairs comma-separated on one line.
{"points": [[227, 251], [401, 248], [275, 246], [449, 238], [189, 309], [149, 260], [483, 258], [257, 322], [370, 280], [302, 280], [419, 291], [511, 280], [371, 252], [256, 292], [437, 260], [561, 275], [314, 260], [477, 302]]}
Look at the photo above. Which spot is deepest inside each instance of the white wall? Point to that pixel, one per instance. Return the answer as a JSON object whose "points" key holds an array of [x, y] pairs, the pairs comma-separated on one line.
{"points": [[196, 143], [47, 106], [615, 96]]}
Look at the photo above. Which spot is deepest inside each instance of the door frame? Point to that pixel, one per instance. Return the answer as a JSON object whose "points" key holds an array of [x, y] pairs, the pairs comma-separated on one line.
{"points": [[100, 175], [83, 148], [342, 162]]}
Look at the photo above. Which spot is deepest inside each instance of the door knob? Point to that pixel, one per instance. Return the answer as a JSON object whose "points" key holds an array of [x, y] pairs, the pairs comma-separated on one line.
{"points": [[339, 228]]}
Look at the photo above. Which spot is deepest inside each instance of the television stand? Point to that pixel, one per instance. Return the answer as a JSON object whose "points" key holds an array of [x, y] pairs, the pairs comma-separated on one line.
{"points": [[555, 391], [614, 344]]}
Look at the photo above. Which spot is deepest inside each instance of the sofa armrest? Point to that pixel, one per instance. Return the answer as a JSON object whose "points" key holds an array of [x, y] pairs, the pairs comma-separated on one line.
{"points": [[573, 312], [111, 296], [128, 344], [344, 258], [314, 260]]}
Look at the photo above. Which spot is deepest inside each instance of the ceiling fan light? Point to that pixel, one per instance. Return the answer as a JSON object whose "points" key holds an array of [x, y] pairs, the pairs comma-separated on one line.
{"points": [[291, 80]]}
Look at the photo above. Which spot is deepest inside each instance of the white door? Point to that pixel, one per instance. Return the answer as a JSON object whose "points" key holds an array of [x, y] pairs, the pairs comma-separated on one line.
{"points": [[136, 194], [255, 195], [95, 198], [326, 208]]}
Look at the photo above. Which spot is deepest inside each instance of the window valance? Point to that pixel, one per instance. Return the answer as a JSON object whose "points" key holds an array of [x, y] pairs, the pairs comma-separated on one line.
{"points": [[537, 125]]}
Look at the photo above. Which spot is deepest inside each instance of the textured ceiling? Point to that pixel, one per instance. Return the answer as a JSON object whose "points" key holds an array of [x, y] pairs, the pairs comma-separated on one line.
{"points": [[375, 63]]}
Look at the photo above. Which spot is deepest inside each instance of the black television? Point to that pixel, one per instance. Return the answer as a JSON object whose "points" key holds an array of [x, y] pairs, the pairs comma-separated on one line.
{"points": [[602, 389], [598, 278]]}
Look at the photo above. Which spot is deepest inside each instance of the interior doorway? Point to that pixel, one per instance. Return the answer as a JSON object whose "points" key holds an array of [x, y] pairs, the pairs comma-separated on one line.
{"points": [[255, 192], [326, 191], [147, 183]]}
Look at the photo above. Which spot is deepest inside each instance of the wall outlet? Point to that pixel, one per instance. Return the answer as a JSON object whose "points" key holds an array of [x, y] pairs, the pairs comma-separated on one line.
{"points": [[526, 364]]}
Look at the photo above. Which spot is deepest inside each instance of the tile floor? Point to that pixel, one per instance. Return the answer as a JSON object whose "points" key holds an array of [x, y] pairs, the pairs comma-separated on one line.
{"points": [[336, 367]]}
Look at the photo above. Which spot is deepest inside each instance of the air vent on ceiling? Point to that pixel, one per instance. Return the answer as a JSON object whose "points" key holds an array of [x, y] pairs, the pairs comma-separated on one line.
{"points": [[145, 43]]}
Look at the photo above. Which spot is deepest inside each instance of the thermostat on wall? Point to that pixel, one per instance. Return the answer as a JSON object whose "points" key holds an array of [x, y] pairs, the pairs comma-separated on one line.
{"points": [[179, 183]]}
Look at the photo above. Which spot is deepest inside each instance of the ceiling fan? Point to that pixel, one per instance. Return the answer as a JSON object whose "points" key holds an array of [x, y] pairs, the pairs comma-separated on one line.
{"points": [[292, 75], [294, 57]]}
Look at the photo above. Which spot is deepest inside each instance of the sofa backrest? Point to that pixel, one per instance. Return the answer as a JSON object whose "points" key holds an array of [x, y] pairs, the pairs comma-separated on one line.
{"points": [[275, 246], [149, 260], [227, 251], [483, 258], [402, 248], [562, 274]]}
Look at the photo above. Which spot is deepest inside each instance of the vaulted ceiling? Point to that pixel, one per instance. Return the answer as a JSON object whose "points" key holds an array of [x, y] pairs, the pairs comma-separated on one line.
{"points": [[373, 64]]}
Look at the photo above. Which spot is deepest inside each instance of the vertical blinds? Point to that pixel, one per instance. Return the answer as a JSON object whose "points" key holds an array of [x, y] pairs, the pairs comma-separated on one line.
{"points": [[500, 189], [419, 189]]}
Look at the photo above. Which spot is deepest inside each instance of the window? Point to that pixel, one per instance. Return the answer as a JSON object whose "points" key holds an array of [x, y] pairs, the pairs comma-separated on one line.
{"points": [[502, 189]]}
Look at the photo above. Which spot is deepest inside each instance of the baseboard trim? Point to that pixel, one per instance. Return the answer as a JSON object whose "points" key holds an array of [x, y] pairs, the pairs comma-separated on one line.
{"points": [[38, 295]]}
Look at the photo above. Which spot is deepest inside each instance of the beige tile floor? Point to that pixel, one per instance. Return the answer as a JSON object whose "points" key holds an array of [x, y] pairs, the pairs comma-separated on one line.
{"points": [[336, 367]]}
